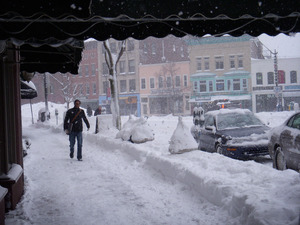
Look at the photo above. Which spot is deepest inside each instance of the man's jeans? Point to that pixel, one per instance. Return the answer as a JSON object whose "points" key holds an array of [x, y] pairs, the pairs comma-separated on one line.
{"points": [[79, 143]]}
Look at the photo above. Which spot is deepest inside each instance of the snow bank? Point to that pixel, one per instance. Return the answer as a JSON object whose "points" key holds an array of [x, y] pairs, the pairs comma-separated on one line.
{"points": [[182, 139], [136, 130]]}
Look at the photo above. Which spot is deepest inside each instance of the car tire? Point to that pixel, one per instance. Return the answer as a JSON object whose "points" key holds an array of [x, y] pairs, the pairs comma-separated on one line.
{"points": [[219, 149], [279, 161]]}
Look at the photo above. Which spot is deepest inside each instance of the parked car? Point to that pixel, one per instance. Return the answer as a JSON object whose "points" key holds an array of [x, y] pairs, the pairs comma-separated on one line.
{"points": [[284, 144], [236, 133]]}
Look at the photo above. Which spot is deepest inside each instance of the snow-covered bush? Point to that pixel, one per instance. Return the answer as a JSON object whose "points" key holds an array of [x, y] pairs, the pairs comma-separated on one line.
{"points": [[136, 130], [182, 139]]}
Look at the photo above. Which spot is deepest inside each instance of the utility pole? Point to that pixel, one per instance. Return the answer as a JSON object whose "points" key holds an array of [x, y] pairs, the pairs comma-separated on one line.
{"points": [[277, 89], [46, 95]]}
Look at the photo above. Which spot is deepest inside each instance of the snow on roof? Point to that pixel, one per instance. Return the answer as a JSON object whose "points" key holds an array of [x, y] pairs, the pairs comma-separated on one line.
{"points": [[235, 72]]}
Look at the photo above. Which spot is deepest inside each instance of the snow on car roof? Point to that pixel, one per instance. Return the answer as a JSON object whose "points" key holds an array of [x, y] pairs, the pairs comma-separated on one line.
{"points": [[227, 111]]}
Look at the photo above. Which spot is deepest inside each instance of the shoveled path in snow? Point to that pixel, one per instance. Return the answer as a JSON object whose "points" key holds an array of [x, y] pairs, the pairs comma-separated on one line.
{"points": [[107, 187]]}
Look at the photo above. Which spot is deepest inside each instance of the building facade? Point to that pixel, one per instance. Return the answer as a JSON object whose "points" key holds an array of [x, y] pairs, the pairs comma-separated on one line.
{"points": [[265, 94], [164, 76], [86, 83], [221, 69]]}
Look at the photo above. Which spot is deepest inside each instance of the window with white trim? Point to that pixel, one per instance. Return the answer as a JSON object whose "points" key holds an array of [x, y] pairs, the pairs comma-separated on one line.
{"points": [[259, 78], [202, 84], [293, 77], [122, 67], [240, 61], [220, 85], [232, 61], [104, 69], [143, 83], [219, 60], [132, 86], [206, 63], [93, 69], [123, 86], [152, 82], [198, 61], [236, 84], [131, 66]]}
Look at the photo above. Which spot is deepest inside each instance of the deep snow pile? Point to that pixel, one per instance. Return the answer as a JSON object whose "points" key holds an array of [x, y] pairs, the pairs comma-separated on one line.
{"points": [[182, 139], [136, 130], [250, 192]]}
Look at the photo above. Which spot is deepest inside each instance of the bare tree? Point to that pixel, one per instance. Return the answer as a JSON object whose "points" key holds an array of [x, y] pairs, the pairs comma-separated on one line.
{"points": [[112, 60], [69, 90]]}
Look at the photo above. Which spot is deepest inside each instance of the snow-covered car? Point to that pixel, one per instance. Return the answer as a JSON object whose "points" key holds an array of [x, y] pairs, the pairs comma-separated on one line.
{"points": [[284, 144], [236, 133]]}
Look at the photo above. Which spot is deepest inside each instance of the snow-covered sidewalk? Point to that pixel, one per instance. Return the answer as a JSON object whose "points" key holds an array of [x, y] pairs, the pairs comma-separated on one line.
{"points": [[107, 187]]}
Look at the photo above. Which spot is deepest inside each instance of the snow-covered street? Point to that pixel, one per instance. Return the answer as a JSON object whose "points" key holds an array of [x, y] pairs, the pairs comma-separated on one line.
{"points": [[119, 182]]}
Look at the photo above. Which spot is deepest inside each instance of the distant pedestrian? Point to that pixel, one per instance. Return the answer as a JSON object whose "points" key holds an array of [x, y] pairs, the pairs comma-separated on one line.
{"points": [[98, 111], [89, 111], [75, 116]]}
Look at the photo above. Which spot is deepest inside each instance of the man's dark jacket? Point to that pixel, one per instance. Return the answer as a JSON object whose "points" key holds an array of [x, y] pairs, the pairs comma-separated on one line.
{"points": [[77, 123]]}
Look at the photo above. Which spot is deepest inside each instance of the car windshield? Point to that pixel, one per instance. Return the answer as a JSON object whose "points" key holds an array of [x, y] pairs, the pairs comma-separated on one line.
{"points": [[236, 120]]}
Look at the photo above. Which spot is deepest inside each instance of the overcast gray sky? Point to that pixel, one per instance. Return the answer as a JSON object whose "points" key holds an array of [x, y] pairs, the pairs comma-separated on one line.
{"points": [[286, 46]]}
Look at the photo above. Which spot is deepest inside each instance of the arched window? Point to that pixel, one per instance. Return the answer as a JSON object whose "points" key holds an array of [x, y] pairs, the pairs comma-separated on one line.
{"points": [[293, 77]]}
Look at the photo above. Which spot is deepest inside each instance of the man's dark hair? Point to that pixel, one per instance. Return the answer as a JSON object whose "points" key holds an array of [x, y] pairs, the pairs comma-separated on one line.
{"points": [[77, 101]]}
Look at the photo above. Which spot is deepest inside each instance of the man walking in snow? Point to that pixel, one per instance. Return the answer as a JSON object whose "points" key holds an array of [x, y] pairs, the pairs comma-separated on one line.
{"points": [[75, 116]]}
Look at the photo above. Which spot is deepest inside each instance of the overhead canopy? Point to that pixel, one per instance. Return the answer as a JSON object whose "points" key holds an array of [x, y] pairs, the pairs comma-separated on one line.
{"points": [[37, 21], [62, 56]]}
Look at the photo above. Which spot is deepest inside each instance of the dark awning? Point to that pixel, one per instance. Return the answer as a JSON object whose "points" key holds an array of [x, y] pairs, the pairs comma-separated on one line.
{"points": [[61, 56], [37, 21], [142, 18]]}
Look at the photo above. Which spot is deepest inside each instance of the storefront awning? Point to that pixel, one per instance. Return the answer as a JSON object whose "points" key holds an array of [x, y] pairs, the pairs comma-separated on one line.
{"points": [[221, 97]]}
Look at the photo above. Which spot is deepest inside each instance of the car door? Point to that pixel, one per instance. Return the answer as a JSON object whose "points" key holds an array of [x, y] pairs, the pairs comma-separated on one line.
{"points": [[290, 142], [207, 138]]}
